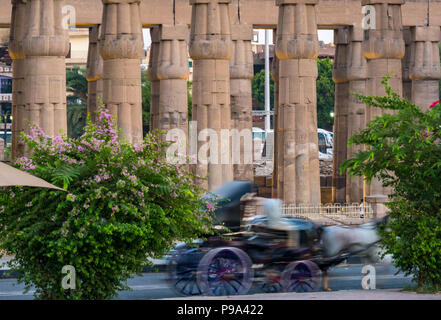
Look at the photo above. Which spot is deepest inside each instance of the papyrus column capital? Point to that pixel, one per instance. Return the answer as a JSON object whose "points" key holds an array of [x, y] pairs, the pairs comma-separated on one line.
{"points": [[45, 34], [424, 53], [356, 62], [154, 54], [121, 30], [210, 30], [94, 69], [385, 41], [241, 63], [297, 30], [339, 72], [173, 55], [15, 45]]}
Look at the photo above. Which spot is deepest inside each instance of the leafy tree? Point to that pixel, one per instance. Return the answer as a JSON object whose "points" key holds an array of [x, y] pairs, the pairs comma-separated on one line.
{"points": [[124, 205], [404, 152], [76, 83], [76, 120], [258, 87], [325, 94], [189, 99], [146, 97]]}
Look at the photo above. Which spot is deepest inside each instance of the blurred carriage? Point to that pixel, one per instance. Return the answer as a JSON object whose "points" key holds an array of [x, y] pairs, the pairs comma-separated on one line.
{"points": [[260, 246]]}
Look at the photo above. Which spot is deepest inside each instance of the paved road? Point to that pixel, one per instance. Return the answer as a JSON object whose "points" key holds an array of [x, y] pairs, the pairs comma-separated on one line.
{"points": [[154, 286]]}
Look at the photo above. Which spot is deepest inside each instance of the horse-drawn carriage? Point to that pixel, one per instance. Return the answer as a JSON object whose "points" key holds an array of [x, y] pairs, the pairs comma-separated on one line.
{"points": [[279, 253]]}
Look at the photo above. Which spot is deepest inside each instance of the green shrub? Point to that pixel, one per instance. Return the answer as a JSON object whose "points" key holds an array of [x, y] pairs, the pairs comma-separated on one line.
{"points": [[124, 205], [404, 152]]}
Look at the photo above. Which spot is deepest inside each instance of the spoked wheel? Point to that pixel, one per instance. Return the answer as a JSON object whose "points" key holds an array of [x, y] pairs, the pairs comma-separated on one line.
{"points": [[225, 271], [272, 281], [271, 286], [301, 276], [182, 271]]}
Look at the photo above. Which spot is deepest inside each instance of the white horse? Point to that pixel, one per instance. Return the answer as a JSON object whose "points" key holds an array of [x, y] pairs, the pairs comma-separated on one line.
{"points": [[344, 240], [339, 239]]}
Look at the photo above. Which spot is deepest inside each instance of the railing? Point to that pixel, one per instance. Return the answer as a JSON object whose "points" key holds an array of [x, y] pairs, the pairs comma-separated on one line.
{"points": [[332, 211]]}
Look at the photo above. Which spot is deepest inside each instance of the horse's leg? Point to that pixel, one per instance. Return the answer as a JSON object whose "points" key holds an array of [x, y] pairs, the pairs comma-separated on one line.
{"points": [[325, 280]]}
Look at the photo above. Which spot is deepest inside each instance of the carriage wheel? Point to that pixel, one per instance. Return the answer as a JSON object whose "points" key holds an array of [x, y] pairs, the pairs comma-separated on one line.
{"points": [[182, 276], [270, 286], [225, 271], [301, 276], [271, 283]]}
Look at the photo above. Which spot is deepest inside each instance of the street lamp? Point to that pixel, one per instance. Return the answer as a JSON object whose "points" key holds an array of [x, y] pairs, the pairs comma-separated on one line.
{"points": [[332, 114]]}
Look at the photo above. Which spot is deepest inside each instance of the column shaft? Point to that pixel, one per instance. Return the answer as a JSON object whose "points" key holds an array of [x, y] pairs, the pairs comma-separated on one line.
{"points": [[16, 52], [383, 47], [153, 77], [241, 76], [405, 65], [172, 72], [94, 72], [356, 75], [341, 113], [211, 49], [121, 47], [46, 44], [297, 49], [424, 67]]}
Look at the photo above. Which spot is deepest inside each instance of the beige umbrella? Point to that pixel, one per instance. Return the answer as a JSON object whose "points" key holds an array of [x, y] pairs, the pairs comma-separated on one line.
{"points": [[10, 177]]}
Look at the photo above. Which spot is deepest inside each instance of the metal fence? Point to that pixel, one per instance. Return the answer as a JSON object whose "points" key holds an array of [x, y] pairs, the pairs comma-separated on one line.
{"points": [[332, 211]]}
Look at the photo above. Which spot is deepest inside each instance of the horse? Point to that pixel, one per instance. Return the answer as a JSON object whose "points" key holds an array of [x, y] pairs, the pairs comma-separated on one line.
{"points": [[339, 242]]}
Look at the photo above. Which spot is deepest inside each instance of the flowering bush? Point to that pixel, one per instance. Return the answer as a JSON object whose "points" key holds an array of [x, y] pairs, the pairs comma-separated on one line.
{"points": [[124, 204], [404, 152]]}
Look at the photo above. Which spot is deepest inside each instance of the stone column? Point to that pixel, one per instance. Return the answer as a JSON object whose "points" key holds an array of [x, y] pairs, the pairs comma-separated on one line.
{"points": [[153, 77], [2, 150], [424, 67], [94, 72], [356, 75], [241, 76], [18, 75], [383, 47], [340, 78], [173, 71], [297, 49], [211, 50], [405, 65], [121, 46], [278, 135], [46, 44]]}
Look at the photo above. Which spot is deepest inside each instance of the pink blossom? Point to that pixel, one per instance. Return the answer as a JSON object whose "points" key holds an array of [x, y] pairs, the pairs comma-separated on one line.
{"points": [[210, 206], [434, 104]]}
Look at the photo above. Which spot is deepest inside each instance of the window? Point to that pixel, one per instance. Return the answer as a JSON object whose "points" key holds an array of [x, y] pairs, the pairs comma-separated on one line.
{"points": [[6, 85], [255, 36]]}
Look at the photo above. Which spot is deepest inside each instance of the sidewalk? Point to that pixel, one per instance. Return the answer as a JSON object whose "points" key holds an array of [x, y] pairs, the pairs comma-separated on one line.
{"points": [[159, 265], [395, 294]]}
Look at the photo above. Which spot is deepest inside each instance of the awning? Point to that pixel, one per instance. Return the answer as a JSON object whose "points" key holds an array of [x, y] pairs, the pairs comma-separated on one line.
{"points": [[11, 177]]}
